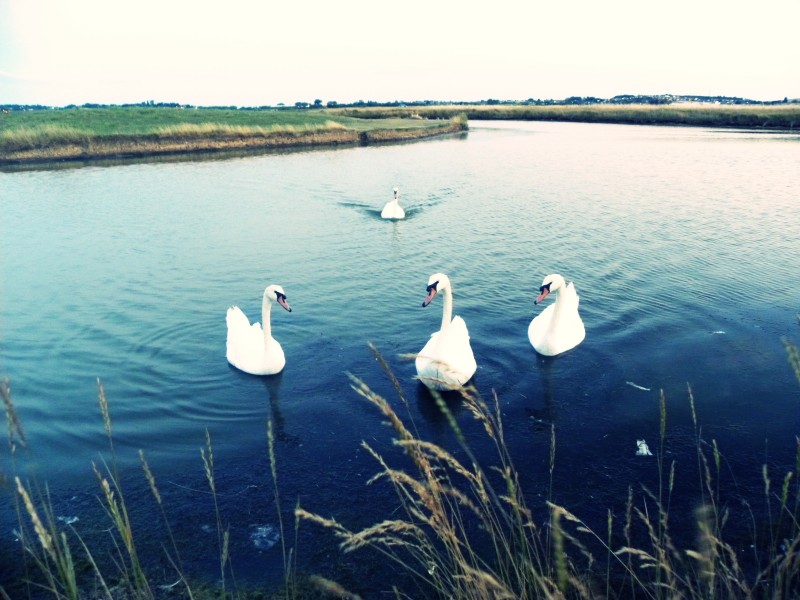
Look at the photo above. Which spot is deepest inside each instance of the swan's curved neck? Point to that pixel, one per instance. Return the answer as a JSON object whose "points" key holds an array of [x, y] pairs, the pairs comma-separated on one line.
{"points": [[559, 305], [266, 308], [447, 308]]}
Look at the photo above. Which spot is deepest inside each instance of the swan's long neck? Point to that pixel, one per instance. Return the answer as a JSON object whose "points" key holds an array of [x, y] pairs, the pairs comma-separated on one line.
{"points": [[447, 309], [266, 308], [559, 307]]}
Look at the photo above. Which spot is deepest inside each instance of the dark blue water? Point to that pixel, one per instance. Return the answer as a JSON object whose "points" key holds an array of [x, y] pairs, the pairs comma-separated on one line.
{"points": [[682, 243]]}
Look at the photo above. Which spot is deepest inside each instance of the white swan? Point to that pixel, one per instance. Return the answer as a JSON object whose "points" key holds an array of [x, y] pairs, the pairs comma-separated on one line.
{"points": [[251, 348], [393, 210], [559, 327], [446, 362]]}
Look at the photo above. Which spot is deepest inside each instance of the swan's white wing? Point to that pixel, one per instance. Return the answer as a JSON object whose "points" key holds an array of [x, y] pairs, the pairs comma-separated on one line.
{"points": [[245, 342], [574, 331], [571, 296], [393, 210], [238, 325], [459, 350], [428, 354]]}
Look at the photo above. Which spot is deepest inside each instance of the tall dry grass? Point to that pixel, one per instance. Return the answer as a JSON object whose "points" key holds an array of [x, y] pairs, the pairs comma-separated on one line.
{"points": [[466, 532], [50, 546], [464, 529], [783, 116], [41, 136], [49, 136], [206, 130]]}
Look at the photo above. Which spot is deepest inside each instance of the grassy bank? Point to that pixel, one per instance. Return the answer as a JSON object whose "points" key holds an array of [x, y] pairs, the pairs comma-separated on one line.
{"points": [[781, 116], [463, 529], [95, 133], [28, 137]]}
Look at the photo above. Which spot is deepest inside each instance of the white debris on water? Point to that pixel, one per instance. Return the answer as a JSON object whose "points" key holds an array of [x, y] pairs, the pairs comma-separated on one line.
{"points": [[68, 520], [264, 537], [642, 449], [637, 386]]}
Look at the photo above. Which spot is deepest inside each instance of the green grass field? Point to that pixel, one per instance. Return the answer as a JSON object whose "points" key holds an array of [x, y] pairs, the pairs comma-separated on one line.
{"points": [[148, 120], [91, 133]]}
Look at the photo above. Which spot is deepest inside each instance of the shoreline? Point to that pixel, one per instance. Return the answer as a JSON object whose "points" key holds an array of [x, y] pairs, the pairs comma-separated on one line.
{"points": [[88, 136], [144, 146]]}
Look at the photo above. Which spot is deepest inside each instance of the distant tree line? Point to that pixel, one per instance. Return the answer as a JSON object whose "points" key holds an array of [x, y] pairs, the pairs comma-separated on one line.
{"points": [[318, 104]]}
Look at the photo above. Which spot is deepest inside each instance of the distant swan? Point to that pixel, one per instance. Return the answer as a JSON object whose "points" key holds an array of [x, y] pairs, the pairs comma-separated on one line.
{"points": [[393, 210], [559, 327], [446, 362], [251, 348]]}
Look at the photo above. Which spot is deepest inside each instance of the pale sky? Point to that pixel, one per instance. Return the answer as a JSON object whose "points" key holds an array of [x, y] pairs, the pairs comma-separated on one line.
{"points": [[251, 53]]}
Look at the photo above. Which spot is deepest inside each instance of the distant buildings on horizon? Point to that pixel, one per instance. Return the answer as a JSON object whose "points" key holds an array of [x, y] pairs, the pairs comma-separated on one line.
{"points": [[660, 99]]}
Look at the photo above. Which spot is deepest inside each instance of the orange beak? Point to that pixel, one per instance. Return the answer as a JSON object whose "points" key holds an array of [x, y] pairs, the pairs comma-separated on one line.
{"points": [[431, 295], [542, 296]]}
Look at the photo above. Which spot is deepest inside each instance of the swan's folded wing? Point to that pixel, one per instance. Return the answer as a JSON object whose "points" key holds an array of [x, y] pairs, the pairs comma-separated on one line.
{"points": [[244, 339], [236, 320], [458, 329], [572, 296], [458, 349]]}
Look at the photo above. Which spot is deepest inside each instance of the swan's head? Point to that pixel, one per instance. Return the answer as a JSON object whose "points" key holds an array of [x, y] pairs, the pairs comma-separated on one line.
{"points": [[395, 192], [436, 283], [275, 293], [550, 284]]}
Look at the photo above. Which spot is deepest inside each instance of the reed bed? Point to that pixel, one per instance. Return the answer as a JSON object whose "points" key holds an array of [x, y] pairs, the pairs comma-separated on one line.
{"points": [[464, 528], [224, 130], [45, 137], [467, 532], [760, 116], [40, 136]]}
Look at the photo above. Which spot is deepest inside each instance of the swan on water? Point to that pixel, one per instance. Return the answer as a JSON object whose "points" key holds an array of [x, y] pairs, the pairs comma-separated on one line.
{"points": [[252, 348], [559, 327], [446, 362], [393, 210]]}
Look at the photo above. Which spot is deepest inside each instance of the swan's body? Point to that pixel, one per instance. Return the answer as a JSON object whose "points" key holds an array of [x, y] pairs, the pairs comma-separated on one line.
{"points": [[393, 210], [446, 362], [251, 348], [559, 327]]}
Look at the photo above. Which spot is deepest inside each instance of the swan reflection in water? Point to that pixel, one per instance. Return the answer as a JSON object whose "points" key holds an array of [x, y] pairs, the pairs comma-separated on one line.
{"points": [[430, 410], [273, 387], [543, 416]]}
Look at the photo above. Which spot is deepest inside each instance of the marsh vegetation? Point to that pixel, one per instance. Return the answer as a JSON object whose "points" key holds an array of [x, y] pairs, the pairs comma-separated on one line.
{"points": [[776, 116], [86, 133]]}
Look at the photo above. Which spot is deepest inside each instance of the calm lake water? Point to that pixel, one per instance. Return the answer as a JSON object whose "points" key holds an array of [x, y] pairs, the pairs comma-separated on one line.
{"points": [[682, 244]]}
